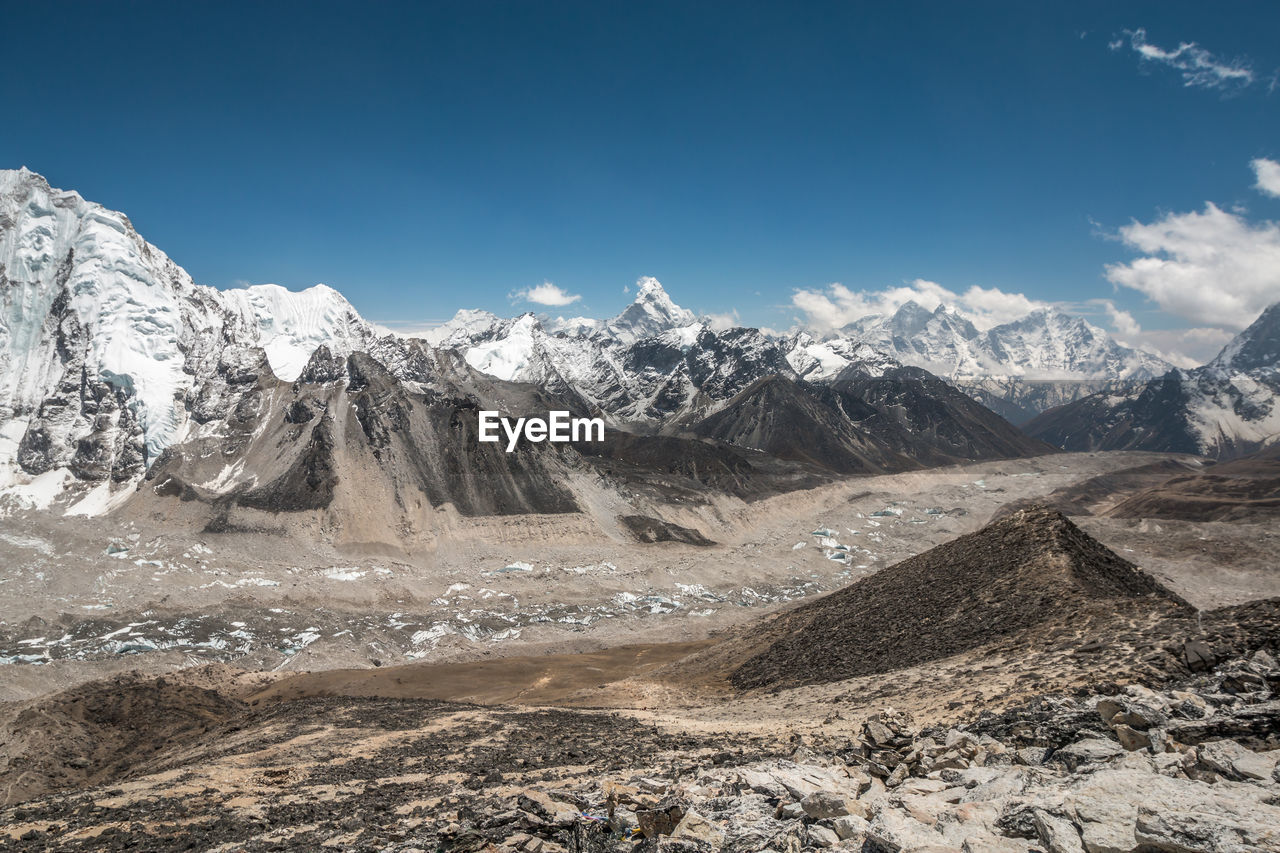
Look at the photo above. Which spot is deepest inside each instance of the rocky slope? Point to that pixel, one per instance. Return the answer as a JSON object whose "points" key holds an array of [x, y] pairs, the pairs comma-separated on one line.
{"points": [[1245, 489], [214, 758], [1029, 570], [1224, 409]]}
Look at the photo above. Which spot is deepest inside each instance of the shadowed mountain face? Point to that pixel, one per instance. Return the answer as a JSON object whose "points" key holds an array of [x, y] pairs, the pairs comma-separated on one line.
{"points": [[903, 419], [808, 424], [1028, 571], [350, 436], [1153, 418]]}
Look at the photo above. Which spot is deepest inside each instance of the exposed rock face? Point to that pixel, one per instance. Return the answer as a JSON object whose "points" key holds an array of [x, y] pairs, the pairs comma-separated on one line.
{"points": [[107, 346], [1033, 568], [860, 423], [1224, 409]]}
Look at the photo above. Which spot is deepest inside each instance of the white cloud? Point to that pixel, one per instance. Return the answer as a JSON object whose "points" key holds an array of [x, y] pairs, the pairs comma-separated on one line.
{"points": [[720, 322], [1211, 267], [1182, 347], [1122, 321], [837, 305], [545, 294], [1197, 66], [1268, 176]]}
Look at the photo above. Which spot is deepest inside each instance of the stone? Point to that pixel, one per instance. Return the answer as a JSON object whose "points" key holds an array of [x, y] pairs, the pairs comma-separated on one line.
{"points": [[1031, 756], [1088, 751], [850, 827], [895, 832], [660, 820], [790, 811], [822, 805], [761, 783], [541, 805], [1197, 656], [1234, 761], [1057, 833], [1108, 708], [898, 776], [821, 836], [1254, 827], [697, 828], [993, 844], [1130, 738]]}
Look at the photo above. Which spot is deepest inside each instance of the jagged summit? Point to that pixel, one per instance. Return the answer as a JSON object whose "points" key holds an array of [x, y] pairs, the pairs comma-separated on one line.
{"points": [[105, 341], [1257, 348], [1028, 569], [652, 312]]}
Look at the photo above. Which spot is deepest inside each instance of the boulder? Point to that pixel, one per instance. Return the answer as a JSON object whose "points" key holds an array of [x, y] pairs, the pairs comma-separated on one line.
{"points": [[850, 827], [1088, 751], [1057, 833], [695, 827], [822, 805], [821, 836], [1247, 828], [894, 832], [1197, 656], [541, 805], [1235, 761]]}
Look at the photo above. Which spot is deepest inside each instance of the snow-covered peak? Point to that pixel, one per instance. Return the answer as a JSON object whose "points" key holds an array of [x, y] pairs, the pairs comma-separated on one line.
{"points": [[820, 360], [466, 326], [512, 355], [81, 293], [651, 313], [1256, 349], [577, 327], [291, 325], [1047, 343]]}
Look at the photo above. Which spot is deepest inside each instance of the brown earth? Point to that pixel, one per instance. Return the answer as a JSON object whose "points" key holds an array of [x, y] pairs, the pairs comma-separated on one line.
{"points": [[1245, 489]]}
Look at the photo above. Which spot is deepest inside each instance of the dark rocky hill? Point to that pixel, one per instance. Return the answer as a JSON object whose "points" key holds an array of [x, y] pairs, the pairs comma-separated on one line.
{"points": [[1030, 569]]}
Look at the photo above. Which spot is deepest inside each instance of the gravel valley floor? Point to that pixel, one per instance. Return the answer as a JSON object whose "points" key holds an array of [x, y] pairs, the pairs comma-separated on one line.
{"points": [[517, 689]]}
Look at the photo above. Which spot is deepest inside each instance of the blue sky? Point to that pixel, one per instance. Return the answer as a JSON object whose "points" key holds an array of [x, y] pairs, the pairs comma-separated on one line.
{"points": [[426, 157]]}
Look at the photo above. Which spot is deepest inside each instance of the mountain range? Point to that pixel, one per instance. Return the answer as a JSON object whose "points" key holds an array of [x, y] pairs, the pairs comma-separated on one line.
{"points": [[123, 381]]}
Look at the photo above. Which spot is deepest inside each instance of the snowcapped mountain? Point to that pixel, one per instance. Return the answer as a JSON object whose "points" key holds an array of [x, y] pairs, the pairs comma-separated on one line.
{"points": [[825, 359], [105, 342], [650, 314], [1226, 408], [653, 362], [1045, 344]]}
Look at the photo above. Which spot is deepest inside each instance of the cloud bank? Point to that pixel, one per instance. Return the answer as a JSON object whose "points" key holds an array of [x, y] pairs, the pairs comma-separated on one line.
{"points": [[1210, 267], [1268, 176]]}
